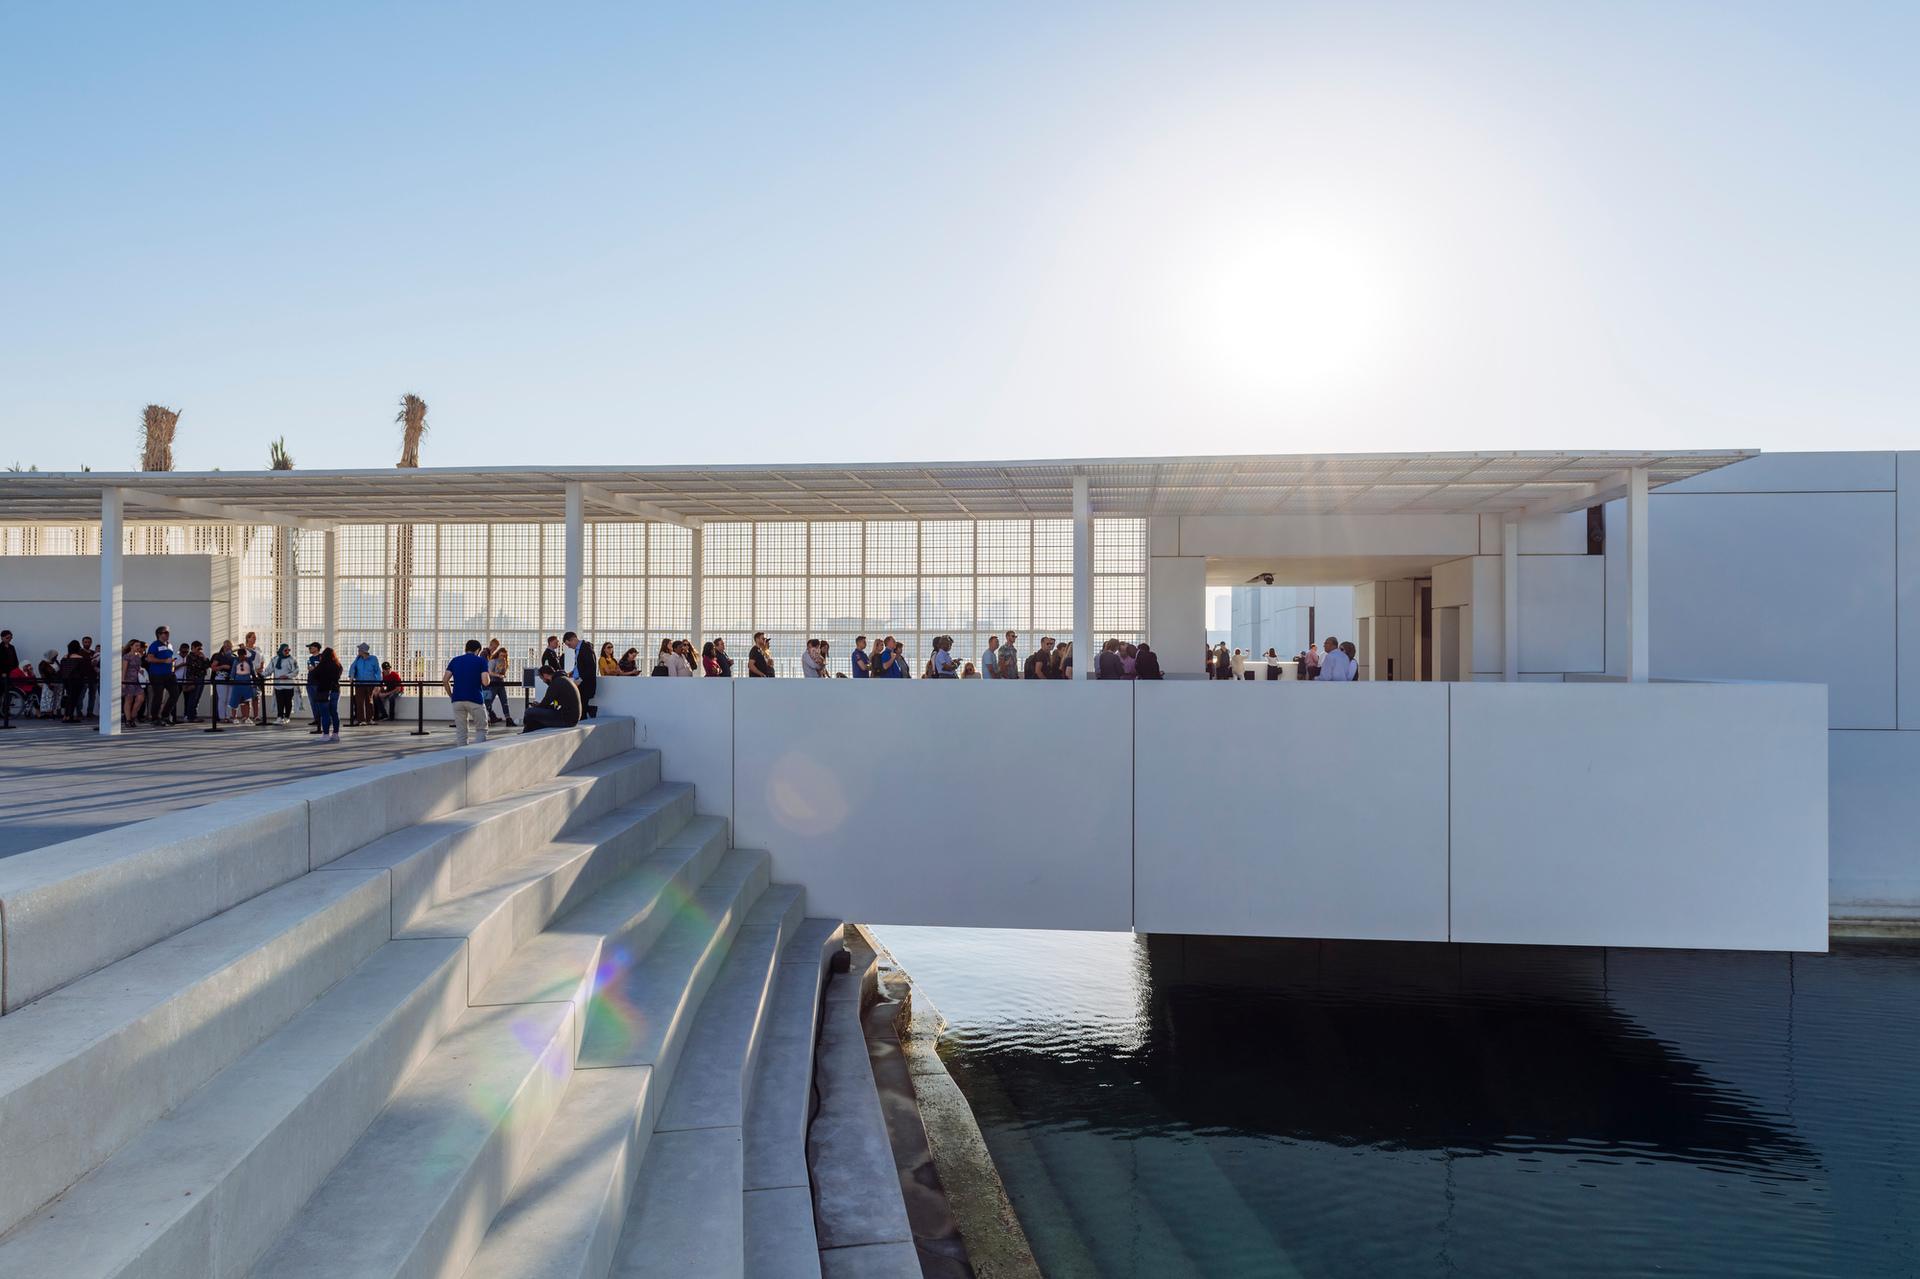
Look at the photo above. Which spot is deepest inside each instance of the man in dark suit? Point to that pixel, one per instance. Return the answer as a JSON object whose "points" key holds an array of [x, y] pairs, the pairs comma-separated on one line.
{"points": [[1110, 666], [585, 671]]}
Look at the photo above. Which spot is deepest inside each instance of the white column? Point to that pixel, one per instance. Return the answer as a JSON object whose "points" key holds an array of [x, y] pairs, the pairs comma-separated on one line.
{"points": [[576, 548], [1083, 654], [1510, 601], [112, 598], [1637, 576], [1177, 613], [330, 590], [287, 619], [696, 595]]}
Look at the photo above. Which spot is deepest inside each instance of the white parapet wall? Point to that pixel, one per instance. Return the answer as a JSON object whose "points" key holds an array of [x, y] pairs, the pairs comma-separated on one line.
{"points": [[1679, 815]]}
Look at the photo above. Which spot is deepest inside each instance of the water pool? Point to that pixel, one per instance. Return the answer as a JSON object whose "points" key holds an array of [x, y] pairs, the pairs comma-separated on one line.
{"points": [[1172, 1107]]}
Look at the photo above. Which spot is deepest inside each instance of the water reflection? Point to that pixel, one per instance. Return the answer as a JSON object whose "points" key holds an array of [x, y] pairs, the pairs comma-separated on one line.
{"points": [[1176, 1106]]}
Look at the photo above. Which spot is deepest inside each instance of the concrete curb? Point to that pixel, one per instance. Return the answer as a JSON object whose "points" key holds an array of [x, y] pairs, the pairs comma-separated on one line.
{"points": [[996, 1243]]}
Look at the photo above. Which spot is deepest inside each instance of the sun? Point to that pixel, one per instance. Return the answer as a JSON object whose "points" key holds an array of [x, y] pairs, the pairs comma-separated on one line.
{"points": [[1290, 315]]}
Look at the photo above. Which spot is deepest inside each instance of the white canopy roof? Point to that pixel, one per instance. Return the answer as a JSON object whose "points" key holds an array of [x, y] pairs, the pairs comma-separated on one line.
{"points": [[1306, 484]]}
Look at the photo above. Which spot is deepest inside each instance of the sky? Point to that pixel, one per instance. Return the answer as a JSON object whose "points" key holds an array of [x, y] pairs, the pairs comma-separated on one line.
{"points": [[809, 233]]}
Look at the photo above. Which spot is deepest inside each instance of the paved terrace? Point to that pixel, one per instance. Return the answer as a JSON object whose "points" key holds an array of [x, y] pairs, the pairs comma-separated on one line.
{"points": [[62, 781]]}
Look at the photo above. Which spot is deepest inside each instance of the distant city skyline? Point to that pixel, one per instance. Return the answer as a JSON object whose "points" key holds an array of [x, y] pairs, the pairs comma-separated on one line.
{"points": [[847, 235]]}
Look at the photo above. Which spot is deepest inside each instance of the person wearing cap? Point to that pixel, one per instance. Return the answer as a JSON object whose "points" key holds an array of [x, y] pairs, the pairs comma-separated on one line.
{"points": [[314, 649], [365, 674]]}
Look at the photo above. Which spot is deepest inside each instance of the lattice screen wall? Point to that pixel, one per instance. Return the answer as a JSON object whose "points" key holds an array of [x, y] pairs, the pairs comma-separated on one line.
{"points": [[910, 579]]}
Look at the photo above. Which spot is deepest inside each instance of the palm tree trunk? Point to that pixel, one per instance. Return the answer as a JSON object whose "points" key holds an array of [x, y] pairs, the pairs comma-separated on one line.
{"points": [[413, 425]]}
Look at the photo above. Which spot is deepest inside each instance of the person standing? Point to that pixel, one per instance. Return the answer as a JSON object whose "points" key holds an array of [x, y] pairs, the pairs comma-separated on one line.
{"points": [[584, 674], [196, 665], [1040, 661], [313, 660], [1336, 665], [760, 659], [1008, 655], [163, 691], [365, 674], [990, 659], [285, 673], [133, 679], [722, 660], [76, 668], [551, 657], [862, 663], [466, 680], [1146, 663], [324, 680], [241, 703], [1110, 664], [496, 655], [810, 663], [1273, 664], [9, 655], [92, 654]]}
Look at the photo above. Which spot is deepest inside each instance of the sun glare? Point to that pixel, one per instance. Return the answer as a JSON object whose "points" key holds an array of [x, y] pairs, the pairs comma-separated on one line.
{"points": [[1291, 315]]}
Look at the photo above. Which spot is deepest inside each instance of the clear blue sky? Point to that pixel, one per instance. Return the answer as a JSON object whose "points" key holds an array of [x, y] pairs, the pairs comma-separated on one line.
{"points": [[832, 232]]}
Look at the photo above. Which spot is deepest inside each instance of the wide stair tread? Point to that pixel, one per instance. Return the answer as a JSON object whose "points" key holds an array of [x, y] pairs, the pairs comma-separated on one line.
{"points": [[692, 1212], [83, 1069], [596, 941], [204, 1189], [416, 1192], [513, 903], [566, 1215], [433, 862]]}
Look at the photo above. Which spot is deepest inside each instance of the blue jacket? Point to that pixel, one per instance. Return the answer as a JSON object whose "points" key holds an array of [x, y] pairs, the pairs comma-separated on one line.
{"points": [[365, 670]]}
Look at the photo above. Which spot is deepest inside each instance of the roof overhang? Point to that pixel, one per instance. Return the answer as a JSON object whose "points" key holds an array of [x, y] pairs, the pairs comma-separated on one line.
{"points": [[1510, 484]]}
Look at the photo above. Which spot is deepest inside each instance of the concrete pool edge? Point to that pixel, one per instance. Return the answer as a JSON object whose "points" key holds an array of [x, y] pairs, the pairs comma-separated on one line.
{"points": [[996, 1241]]}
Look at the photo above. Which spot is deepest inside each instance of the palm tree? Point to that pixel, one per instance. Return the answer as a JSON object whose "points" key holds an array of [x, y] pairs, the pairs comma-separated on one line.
{"points": [[277, 456], [156, 437], [157, 425], [413, 425]]}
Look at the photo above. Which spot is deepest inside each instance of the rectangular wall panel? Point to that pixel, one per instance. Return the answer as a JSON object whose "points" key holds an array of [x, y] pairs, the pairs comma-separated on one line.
{"points": [[1640, 815], [984, 804], [1291, 810]]}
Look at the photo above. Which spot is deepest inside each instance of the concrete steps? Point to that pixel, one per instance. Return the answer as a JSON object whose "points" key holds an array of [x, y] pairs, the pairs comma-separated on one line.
{"points": [[553, 1031], [87, 1067], [417, 1191], [431, 863], [204, 1190], [742, 1087], [70, 909], [568, 1214]]}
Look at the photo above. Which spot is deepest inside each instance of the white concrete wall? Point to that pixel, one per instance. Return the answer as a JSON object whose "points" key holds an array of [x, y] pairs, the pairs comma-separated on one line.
{"points": [[47, 600], [1582, 816], [1235, 833], [1805, 566], [1176, 613], [1001, 805], [1590, 814]]}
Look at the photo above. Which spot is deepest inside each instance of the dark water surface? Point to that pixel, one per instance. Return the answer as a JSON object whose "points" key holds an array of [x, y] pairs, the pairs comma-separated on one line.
{"points": [[1174, 1107]]}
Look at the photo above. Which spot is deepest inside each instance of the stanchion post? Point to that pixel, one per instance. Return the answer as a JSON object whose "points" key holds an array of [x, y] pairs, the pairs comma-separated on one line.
{"points": [[213, 708], [419, 710]]}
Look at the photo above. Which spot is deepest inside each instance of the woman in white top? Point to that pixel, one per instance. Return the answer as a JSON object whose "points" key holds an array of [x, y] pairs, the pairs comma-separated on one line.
{"points": [[677, 663]]}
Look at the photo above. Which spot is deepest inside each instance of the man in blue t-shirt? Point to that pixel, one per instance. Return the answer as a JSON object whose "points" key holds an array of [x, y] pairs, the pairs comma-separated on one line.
{"points": [[163, 689], [862, 668], [466, 681]]}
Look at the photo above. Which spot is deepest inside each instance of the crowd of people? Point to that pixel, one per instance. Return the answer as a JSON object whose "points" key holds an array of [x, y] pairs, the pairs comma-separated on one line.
{"points": [[163, 685], [885, 658], [1336, 660]]}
